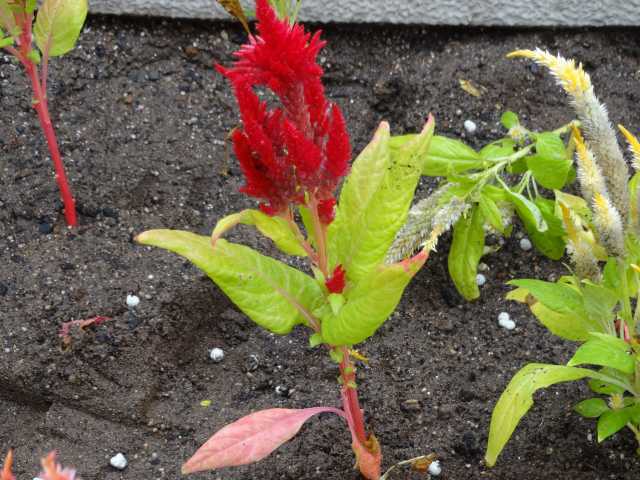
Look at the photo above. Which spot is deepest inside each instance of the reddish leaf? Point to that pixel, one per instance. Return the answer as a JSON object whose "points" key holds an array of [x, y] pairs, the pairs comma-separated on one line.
{"points": [[251, 438], [6, 474]]}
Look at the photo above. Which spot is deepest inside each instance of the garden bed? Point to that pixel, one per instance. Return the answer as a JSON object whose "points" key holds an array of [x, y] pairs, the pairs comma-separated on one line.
{"points": [[142, 119]]}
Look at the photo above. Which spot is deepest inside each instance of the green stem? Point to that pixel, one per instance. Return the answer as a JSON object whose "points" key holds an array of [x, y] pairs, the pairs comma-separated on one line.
{"points": [[626, 303], [320, 231]]}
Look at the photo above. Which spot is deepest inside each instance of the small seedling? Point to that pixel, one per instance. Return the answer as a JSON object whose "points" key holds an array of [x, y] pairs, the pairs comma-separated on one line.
{"points": [[51, 470], [597, 305], [293, 158], [55, 32]]}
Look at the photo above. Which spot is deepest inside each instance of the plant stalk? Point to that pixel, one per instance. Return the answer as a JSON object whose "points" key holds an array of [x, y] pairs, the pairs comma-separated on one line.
{"points": [[351, 404], [41, 106]]}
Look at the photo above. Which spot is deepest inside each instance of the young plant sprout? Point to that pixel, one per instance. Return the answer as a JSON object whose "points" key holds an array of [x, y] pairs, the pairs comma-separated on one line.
{"points": [[55, 31], [293, 157], [475, 200], [51, 470], [597, 305]]}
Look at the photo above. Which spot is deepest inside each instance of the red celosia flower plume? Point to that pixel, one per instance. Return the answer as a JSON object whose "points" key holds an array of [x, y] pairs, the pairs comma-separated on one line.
{"points": [[302, 147], [337, 281]]}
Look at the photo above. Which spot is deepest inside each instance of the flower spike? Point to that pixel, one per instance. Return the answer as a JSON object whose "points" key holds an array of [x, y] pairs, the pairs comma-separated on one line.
{"points": [[302, 146], [595, 122], [634, 147]]}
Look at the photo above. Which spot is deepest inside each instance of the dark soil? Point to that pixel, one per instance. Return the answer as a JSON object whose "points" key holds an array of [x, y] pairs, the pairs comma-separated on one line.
{"points": [[142, 120]]}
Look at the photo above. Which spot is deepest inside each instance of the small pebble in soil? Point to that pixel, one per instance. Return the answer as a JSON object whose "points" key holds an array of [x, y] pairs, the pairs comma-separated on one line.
{"points": [[155, 459], [282, 391], [119, 461], [483, 267], [45, 228], [504, 320], [470, 126], [525, 244], [216, 355], [435, 469], [481, 279], [133, 301]]}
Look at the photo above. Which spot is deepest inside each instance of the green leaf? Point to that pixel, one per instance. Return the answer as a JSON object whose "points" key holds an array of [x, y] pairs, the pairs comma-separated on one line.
{"points": [[58, 25], [34, 56], [528, 211], [315, 340], [599, 303], [275, 296], [275, 228], [370, 302], [498, 149], [558, 297], [550, 165], [509, 120], [592, 408], [605, 386], [551, 242], [375, 201], [606, 351], [6, 42], [570, 326], [491, 212], [517, 399], [7, 20], [465, 253], [612, 421], [31, 5], [447, 156]]}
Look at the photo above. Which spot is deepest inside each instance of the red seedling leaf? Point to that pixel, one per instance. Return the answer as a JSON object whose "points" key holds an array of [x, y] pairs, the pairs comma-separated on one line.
{"points": [[51, 470], [65, 329], [6, 469], [368, 458], [251, 438]]}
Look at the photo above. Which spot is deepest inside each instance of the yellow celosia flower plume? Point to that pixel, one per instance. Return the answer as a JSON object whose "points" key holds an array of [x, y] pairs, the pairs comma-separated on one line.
{"points": [[634, 146], [589, 173], [571, 77]]}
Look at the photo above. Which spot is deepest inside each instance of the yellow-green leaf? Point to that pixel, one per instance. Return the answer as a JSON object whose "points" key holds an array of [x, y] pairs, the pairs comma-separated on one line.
{"points": [[465, 253], [274, 295], [58, 25], [275, 228]]}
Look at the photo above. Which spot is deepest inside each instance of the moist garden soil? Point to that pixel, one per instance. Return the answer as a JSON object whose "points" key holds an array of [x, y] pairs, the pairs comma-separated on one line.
{"points": [[142, 120]]}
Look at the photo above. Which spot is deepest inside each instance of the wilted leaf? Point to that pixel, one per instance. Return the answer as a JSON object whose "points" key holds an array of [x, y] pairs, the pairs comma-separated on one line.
{"points": [[234, 8]]}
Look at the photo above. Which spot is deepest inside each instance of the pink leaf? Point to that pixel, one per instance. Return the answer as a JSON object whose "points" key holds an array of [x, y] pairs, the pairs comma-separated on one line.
{"points": [[251, 438]]}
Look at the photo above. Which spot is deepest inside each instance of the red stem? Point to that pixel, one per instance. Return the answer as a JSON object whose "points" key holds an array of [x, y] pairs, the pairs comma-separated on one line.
{"points": [[41, 106], [351, 404]]}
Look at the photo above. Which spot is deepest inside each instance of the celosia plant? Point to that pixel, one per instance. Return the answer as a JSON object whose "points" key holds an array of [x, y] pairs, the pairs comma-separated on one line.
{"points": [[597, 305], [51, 470], [293, 157], [55, 31], [483, 191]]}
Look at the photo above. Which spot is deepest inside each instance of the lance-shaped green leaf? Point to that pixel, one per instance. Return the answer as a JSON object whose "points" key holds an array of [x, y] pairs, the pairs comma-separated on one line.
{"points": [[606, 351], [558, 296], [551, 242], [275, 296], [375, 201], [528, 211], [58, 25], [275, 228], [550, 165], [517, 399], [571, 326], [368, 305], [465, 253], [498, 149], [592, 407], [612, 421], [447, 156]]}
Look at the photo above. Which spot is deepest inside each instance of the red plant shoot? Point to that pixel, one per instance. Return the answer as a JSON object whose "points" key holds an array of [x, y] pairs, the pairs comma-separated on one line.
{"points": [[24, 51], [51, 470]]}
